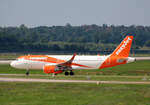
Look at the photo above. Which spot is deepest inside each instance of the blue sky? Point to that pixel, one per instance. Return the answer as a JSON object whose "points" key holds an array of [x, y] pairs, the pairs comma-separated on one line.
{"points": [[34, 13]]}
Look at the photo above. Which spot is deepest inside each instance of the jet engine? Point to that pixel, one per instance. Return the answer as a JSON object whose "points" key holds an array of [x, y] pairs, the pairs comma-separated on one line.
{"points": [[51, 69]]}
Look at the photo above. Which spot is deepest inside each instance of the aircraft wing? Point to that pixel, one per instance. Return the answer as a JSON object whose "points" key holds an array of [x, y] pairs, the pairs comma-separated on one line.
{"points": [[66, 65]]}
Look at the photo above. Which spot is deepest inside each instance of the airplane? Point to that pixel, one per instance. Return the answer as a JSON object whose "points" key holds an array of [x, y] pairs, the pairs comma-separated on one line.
{"points": [[56, 64]]}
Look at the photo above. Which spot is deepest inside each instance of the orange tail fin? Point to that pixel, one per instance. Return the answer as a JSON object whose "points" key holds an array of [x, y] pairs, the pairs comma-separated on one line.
{"points": [[123, 49], [120, 54]]}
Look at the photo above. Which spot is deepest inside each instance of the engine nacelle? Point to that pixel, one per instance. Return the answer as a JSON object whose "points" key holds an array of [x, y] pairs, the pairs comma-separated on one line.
{"points": [[51, 69]]}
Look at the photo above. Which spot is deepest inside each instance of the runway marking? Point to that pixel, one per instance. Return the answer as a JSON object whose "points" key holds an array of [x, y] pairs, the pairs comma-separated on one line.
{"points": [[68, 81]]}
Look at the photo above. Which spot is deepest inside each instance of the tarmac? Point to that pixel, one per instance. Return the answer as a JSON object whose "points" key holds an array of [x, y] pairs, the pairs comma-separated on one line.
{"points": [[5, 61], [4, 79]]}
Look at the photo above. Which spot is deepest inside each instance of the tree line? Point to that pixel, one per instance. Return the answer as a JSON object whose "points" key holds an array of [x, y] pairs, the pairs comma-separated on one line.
{"points": [[70, 38]]}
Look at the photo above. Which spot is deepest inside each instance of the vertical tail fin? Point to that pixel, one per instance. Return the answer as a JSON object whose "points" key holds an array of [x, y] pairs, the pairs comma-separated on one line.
{"points": [[120, 54], [123, 49]]}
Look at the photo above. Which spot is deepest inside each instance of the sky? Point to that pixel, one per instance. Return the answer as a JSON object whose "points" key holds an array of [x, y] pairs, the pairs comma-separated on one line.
{"points": [[34, 13]]}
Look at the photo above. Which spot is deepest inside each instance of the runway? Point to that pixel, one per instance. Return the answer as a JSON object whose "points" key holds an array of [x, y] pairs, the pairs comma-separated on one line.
{"points": [[68, 81], [5, 61], [142, 58]]}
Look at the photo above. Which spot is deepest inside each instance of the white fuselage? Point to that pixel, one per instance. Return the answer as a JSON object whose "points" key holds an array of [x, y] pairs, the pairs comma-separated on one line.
{"points": [[80, 62], [92, 62]]}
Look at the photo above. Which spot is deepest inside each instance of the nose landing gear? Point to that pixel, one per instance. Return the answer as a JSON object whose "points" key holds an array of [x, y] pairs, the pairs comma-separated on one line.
{"points": [[27, 73]]}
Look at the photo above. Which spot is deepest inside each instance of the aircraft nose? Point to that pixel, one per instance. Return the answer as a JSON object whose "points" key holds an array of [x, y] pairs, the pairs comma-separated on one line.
{"points": [[13, 64]]}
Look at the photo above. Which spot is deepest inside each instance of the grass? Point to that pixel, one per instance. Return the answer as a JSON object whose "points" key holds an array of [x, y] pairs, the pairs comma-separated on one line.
{"points": [[140, 55], [9, 55], [73, 94], [20, 93]]}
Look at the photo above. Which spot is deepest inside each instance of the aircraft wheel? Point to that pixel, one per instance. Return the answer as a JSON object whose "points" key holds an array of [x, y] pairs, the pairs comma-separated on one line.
{"points": [[27, 73], [66, 73], [71, 73]]}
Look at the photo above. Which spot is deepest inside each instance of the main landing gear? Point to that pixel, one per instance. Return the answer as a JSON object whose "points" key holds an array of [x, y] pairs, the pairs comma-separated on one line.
{"points": [[69, 73]]}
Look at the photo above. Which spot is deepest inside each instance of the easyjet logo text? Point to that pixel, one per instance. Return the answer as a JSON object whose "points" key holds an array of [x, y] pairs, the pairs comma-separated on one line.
{"points": [[37, 58], [123, 46]]}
